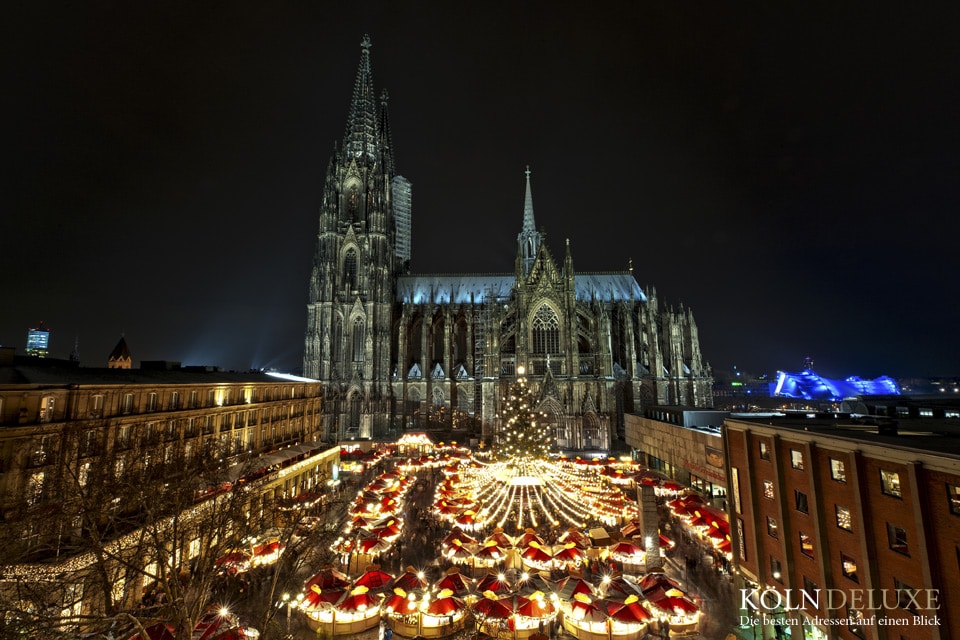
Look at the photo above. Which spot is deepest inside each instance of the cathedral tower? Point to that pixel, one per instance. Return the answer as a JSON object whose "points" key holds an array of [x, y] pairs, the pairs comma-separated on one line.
{"points": [[353, 283], [528, 240], [397, 350]]}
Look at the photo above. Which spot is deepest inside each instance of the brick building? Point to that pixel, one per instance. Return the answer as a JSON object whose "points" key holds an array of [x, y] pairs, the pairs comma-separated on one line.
{"points": [[857, 510]]}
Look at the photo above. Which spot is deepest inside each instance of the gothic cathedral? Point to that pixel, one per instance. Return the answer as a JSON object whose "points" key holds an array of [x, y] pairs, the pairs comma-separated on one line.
{"points": [[398, 351]]}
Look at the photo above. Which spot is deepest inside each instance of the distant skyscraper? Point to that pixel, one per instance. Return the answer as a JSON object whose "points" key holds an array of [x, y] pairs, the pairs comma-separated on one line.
{"points": [[38, 341], [398, 350], [402, 215]]}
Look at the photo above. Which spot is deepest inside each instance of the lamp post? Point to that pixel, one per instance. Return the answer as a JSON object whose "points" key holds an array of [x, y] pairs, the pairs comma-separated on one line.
{"points": [[289, 603]]}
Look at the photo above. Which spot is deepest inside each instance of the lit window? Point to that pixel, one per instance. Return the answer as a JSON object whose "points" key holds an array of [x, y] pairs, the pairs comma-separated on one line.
{"points": [[89, 445], [83, 474], [35, 488], [856, 619], [96, 406], [772, 527], [741, 544], [764, 450], [800, 500], [953, 495], [837, 470], [844, 520], [768, 489], [890, 483], [47, 406], [796, 459], [735, 486], [849, 567], [897, 537], [776, 570], [806, 545]]}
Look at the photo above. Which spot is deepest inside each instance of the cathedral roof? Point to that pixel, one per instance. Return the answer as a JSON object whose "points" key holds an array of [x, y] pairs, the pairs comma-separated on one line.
{"points": [[455, 289], [610, 287], [466, 289]]}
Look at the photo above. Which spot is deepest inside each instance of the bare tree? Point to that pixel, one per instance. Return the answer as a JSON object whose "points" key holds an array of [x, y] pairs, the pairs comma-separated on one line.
{"points": [[132, 545]]}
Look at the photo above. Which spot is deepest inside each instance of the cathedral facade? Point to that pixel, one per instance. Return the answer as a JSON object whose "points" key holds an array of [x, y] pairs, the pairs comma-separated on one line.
{"points": [[395, 350]]}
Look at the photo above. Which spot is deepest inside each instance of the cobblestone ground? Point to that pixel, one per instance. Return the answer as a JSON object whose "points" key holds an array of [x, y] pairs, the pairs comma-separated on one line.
{"points": [[712, 587]]}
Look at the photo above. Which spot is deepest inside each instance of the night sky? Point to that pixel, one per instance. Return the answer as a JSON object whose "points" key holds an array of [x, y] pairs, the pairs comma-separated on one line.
{"points": [[787, 170]]}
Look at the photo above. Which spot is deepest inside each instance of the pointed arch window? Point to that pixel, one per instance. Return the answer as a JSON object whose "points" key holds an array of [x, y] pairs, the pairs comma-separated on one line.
{"points": [[460, 341], [353, 202], [350, 270], [358, 340], [546, 331], [336, 339], [355, 411], [437, 329], [464, 402]]}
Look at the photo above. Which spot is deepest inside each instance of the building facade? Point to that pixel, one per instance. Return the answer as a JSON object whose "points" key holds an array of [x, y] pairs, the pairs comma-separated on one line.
{"points": [[684, 444], [74, 440], [868, 515], [395, 350]]}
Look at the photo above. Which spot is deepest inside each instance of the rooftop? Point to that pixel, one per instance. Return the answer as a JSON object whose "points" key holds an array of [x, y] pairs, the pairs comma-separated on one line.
{"points": [[47, 374], [940, 436]]}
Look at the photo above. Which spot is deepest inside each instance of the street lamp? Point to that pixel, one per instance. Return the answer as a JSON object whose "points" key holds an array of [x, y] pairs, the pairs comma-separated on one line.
{"points": [[289, 603]]}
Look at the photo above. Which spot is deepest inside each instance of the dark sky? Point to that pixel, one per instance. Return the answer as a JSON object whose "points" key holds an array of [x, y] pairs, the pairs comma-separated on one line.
{"points": [[787, 170]]}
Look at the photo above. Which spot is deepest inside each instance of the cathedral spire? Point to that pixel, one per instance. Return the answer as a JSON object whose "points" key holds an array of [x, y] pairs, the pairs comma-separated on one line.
{"points": [[529, 238], [386, 139], [362, 125], [528, 223]]}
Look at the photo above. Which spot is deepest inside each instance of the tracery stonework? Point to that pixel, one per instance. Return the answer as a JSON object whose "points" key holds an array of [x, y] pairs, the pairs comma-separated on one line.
{"points": [[444, 348]]}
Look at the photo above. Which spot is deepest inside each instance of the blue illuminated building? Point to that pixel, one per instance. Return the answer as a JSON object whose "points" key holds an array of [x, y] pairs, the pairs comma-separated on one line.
{"points": [[808, 385]]}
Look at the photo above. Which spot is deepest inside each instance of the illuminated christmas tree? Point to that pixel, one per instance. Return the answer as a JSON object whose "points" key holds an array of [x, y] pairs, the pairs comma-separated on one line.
{"points": [[525, 433]]}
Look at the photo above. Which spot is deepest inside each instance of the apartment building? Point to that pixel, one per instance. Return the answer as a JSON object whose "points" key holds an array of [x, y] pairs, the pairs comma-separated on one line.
{"points": [[862, 515], [71, 435]]}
